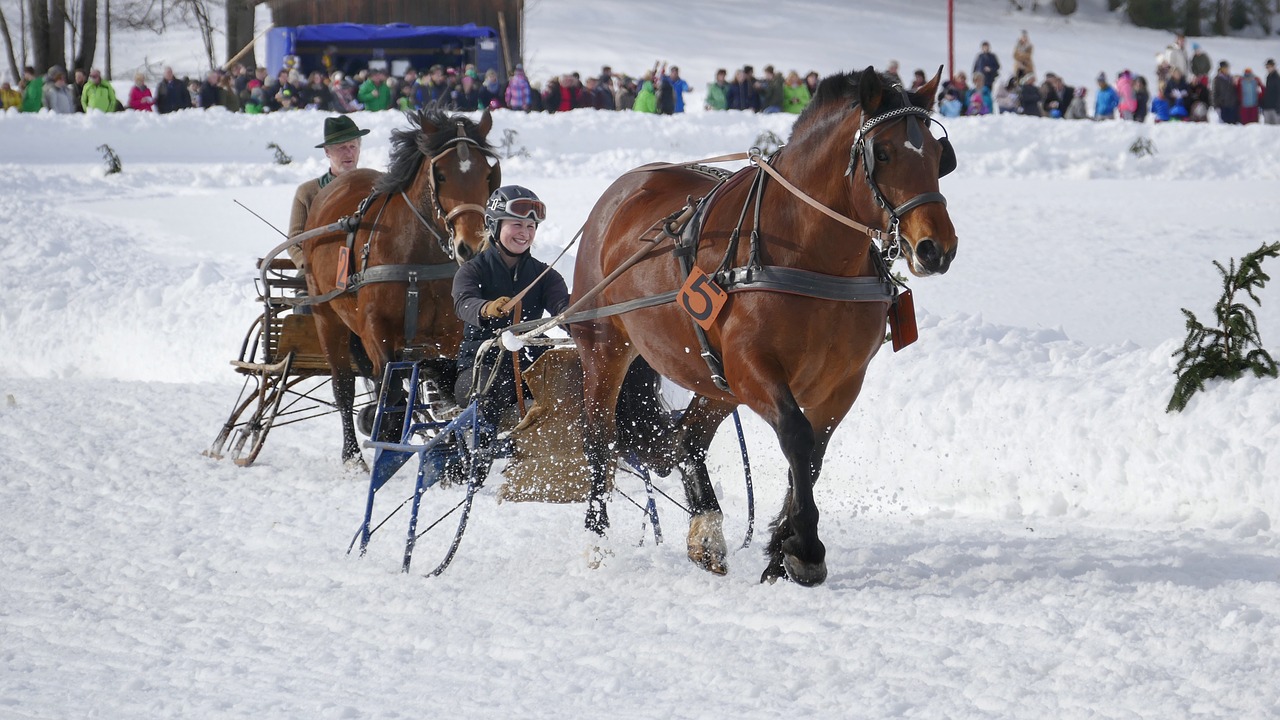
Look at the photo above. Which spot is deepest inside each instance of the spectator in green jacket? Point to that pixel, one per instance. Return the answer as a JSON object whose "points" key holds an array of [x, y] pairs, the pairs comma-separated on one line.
{"points": [[795, 94], [32, 90], [718, 92], [374, 93], [646, 100], [98, 95]]}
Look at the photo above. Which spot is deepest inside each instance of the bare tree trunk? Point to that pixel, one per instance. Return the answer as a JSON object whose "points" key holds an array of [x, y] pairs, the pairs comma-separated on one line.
{"points": [[15, 72], [1191, 11], [240, 33], [40, 35], [22, 23], [107, 19], [58, 33], [88, 34], [205, 23]]}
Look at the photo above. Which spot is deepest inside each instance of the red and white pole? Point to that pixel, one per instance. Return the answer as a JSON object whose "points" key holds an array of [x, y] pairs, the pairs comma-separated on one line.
{"points": [[951, 39]]}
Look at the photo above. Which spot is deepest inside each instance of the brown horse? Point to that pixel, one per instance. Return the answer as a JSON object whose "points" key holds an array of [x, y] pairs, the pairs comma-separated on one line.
{"points": [[424, 216], [796, 358]]}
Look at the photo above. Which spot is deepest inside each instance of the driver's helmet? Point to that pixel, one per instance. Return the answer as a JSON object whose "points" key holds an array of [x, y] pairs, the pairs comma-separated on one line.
{"points": [[512, 202]]}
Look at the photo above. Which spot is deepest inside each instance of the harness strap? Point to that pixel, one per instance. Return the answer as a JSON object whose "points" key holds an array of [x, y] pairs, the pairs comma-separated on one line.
{"points": [[411, 310], [388, 273], [771, 278], [917, 201]]}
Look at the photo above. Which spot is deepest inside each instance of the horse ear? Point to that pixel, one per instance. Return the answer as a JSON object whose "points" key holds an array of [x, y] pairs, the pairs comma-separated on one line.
{"points": [[928, 93], [486, 124], [495, 176], [427, 126], [869, 90]]}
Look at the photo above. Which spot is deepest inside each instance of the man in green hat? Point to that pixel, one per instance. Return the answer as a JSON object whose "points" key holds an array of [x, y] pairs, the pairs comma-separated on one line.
{"points": [[342, 147]]}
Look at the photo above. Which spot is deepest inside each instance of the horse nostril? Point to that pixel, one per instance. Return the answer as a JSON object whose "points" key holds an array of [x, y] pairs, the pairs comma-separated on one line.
{"points": [[927, 253]]}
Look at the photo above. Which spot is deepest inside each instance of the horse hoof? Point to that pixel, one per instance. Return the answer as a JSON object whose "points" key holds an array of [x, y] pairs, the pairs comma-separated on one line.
{"points": [[355, 463], [711, 562], [803, 573], [706, 544], [364, 420]]}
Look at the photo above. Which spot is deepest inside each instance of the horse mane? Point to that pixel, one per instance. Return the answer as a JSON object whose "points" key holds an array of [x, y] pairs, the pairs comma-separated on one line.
{"points": [[411, 145], [842, 89]]}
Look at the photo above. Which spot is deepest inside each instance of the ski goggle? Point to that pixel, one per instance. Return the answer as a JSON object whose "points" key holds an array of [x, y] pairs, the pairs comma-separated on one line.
{"points": [[527, 208]]}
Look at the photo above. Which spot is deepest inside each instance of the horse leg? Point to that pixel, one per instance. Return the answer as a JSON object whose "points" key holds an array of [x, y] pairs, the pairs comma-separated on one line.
{"points": [[333, 336], [377, 354], [603, 372], [794, 549], [705, 543]]}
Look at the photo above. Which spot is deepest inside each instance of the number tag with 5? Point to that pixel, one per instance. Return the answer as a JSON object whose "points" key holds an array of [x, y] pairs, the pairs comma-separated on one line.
{"points": [[702, 298]]}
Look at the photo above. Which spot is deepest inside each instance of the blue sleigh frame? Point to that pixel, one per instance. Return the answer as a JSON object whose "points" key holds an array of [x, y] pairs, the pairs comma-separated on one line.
{"points": [[454, 440]]}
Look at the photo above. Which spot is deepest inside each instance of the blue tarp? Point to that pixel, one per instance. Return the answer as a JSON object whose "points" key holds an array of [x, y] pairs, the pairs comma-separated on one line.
{"points": [[352, 46], [394, 35]]}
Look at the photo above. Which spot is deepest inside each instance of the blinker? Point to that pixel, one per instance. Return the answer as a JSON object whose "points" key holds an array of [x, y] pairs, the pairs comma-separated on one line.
{"points": [[915, 135]]}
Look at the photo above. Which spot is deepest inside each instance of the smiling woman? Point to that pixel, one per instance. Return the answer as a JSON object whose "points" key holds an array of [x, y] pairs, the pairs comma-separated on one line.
{"points": [[482, 292]]}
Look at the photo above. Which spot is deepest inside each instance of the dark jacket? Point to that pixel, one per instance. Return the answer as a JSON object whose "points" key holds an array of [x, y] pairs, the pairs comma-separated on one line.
{"points": [[742, 96], [172, 95], [466, 101], [1055, 100], [771, 93], [486, 277], [989, 65], [1224, 91], [1271, 94], [1029, 99]]}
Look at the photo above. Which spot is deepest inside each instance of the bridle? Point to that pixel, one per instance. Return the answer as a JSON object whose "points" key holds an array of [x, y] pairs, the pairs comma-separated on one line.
{"points": [[463, 145], [862, 153]]}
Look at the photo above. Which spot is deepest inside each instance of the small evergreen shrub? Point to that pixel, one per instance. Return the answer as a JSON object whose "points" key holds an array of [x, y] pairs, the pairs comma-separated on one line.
{"points": [[1142, 147], [508, 145], [768, 142], [1232, 347], [111, 158], [282, 158]]}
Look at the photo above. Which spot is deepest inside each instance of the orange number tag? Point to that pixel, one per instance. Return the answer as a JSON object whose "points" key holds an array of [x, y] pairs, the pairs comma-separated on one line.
{"points": [[902, 321], [343, 258], [702, 298]]}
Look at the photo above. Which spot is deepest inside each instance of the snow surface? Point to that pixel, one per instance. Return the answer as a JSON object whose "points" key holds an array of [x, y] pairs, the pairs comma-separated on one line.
{"points": [[1015, 527]]}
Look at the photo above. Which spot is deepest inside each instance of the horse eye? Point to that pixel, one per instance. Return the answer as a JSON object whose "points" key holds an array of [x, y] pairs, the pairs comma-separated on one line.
{"points": [[882, 155], [439, 178]]}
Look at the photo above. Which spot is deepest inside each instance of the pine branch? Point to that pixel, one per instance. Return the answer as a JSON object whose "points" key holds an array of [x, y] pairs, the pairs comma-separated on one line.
{"points": [[1234, 345]]}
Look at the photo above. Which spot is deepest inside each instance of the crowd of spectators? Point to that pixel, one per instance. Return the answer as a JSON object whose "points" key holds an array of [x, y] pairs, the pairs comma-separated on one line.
{"points": [[1187, 87], [659, 90]]}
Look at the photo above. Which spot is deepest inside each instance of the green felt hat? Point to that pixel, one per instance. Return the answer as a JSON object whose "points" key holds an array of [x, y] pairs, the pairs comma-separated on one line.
{"points": [[339, 130]]}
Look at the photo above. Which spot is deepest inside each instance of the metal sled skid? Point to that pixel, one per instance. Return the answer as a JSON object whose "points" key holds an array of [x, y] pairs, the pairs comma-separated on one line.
{"points": [[444, 440]]}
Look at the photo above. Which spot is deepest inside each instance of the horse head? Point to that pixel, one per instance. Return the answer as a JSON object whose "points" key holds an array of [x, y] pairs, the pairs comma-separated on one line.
{"points": [[454, 170], [895, 163]]}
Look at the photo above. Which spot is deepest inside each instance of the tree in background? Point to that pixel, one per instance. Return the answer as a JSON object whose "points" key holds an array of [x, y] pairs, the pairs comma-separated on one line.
{"points": [[1188, 16], [8, 43], [46, 25], [240, 30]]}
